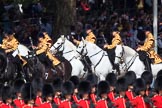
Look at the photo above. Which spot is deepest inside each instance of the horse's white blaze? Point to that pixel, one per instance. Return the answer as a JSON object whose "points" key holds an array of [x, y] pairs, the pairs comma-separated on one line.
{"points": [[69, 52], [98, 57], [131, 58]]}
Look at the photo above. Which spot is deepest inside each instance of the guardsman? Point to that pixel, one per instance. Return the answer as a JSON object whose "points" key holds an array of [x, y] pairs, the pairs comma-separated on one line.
{"points": [[157, 99], [102, 89], [57, 91], [130, 79], [121, 87], [48, 96], [115, 41], [139, 88], [148, 47], [18, 101], [93, 79], [148, 78], [43, 50], [10, 44], [67, 91], [28, 95], [90, 36], [7, 97], [111, 79], [37, 84], [75, 80], [84, 89]]}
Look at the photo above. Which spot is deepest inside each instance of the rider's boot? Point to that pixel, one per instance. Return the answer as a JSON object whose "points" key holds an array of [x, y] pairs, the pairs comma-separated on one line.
{"points": [[147, 65]]}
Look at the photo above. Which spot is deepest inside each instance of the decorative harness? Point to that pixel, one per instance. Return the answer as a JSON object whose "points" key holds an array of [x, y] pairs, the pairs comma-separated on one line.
{"points": [[84, 48], [62, 44], [131, 61]]}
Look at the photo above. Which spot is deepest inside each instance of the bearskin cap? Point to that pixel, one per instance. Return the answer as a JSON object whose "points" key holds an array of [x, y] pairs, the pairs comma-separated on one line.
{"points": [[75, 80], [27, 92], [37, 84], [47, 90], [57, 84], [158, 83], [121, 85], [84, 88], [139, 85], [7, 93], [103, 87], [93, 79], [18, 85], [130, 77], [67, 88], [147, 76], [111, 78]]}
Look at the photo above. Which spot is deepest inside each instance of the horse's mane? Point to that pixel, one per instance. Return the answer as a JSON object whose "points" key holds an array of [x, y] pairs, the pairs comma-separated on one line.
{"points": [[129, 50], [70, 44]]}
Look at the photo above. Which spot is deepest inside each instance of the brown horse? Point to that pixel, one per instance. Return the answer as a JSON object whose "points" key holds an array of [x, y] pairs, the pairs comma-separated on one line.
{"points": [[37, 69]]}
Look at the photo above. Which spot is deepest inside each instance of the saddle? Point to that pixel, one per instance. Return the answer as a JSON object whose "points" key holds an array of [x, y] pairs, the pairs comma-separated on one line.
{"points": [[144, 57]]}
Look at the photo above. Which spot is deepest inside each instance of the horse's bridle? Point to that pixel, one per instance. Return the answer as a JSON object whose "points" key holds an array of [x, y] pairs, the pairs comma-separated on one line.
{"points": [[81, 53], [57, 48], [84, 47], [122, 54]]}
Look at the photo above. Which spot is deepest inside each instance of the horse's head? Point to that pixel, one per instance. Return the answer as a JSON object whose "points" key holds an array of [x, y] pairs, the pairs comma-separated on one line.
{"points": [[81, 49], [58, 46], [119, 54]]}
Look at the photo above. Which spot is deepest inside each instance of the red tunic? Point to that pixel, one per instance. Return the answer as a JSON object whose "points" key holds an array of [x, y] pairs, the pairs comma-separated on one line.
{"points": [[138, 102], [157, 101], [111, 96], [84, 104], [28, 106], [93, 98], [75, 98], [6, 106], [46, 105], [57, 100], [65, 104], [101, 104], [18, 102], [120, 102], [129, 94], [38, 101]]}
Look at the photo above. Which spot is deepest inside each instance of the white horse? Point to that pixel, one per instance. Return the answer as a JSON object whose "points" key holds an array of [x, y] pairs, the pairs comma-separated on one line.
{"points": [[132, 61], [98, 57], [69, 52]]}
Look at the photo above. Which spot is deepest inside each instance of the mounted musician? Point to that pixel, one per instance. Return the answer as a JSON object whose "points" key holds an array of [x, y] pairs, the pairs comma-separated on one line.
{"points": [[111, 48], [148, 48], [90, 38], [10, 44], [42, 50]]}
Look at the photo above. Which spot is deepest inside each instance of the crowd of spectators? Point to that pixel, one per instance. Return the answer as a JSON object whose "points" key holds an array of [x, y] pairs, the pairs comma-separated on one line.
{"points": [[129, 16]]}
